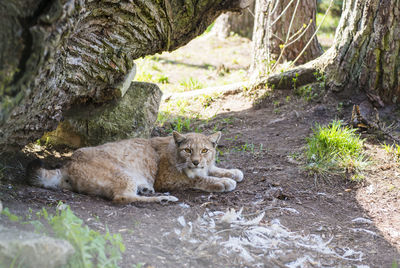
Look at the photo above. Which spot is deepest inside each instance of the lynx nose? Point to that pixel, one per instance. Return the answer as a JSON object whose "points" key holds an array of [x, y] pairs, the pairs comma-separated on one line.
{"points": [[196, 162]]}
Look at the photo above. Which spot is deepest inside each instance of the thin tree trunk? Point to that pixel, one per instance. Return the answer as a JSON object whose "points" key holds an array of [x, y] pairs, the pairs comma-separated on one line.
{"points": [[276, 26], [57, 55]]}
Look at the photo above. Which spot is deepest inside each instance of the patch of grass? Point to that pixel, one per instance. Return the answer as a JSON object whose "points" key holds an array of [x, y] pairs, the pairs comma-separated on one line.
{"points": [[191, 84], [209, 28], [149, 70], [250, 148], [181, 124], [335, 149], [163, 79], [312, 91], [12, 217], [294, 80], [92, 249], [393, 150], [206, 99], [306, 92]]}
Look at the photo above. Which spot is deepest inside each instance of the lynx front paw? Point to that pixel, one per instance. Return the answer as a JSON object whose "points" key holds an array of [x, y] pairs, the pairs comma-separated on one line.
{"points": [[237, 175], [167, 198], [229, 184]]}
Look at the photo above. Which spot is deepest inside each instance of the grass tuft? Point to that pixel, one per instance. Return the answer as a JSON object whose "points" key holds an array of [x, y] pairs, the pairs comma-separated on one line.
{"points": [[335, 150], [191, 84], [92, 249], [393, 150]]}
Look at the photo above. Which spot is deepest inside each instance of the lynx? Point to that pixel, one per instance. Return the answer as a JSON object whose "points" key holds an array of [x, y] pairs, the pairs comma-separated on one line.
{"points": [[129, 170]]}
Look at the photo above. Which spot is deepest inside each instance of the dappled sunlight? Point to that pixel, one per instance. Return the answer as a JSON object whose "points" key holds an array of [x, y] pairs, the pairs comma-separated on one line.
{"points": [[205, 62], [380, 196]]}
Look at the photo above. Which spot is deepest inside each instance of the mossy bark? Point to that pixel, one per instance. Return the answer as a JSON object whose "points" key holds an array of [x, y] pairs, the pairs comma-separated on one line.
{"points": [[58, 54], [365, 56]]}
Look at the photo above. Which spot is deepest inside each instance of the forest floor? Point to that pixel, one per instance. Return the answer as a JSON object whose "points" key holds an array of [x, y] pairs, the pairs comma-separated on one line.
{"points": [[279, 216]]}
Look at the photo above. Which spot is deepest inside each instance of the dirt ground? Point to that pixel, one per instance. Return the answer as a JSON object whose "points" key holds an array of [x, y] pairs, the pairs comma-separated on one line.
{"points": [[279, 216]]}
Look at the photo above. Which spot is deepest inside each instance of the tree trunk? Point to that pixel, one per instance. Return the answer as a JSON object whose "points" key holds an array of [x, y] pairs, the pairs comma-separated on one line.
{"points": [[366, 50], [365, 55], [282, 35], [231, 22], [62, 54]]}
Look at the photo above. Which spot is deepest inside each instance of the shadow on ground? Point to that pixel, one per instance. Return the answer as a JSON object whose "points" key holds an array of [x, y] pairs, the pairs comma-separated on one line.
{"points": [[277, 217]]}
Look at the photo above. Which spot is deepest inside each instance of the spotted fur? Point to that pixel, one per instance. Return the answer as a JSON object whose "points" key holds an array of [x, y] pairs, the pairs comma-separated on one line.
{"points": [[125, 170]]}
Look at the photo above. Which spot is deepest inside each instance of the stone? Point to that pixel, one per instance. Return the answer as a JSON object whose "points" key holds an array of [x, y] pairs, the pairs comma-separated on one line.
{"points": [[131, 116], [26, 249]]}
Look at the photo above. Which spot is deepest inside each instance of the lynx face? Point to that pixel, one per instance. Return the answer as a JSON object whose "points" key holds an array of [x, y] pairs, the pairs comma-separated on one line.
{"points": [[195, 152]]}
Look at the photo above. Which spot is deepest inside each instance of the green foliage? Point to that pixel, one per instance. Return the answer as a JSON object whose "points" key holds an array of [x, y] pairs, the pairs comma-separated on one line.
{"points": [[335, 149], [12, 217], [209, 28], [321, 78], [250, 148], [294, 80], [92, 249], [206, 99], [181, 124], [306, 92], [150, 70], [336, 9], [313, 91], [191, 84], [393, 150], [162, 79]]}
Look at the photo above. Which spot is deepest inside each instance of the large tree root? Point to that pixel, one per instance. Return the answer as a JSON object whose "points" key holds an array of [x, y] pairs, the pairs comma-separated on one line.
{"points": [[291, 79]]}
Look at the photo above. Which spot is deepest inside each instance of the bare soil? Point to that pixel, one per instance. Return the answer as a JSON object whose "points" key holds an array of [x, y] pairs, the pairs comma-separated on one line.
{"points": [[304, 220]]}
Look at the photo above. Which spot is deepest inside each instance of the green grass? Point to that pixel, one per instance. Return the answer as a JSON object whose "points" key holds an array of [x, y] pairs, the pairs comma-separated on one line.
{"points": [[92, 249], [335, 150], [191, 84], [306, 92], [149, 69], [393, 150]]}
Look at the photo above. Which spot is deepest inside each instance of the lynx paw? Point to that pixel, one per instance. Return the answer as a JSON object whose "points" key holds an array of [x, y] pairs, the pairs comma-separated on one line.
{"points": [[229, 184], [237, 175], [167, 198]]}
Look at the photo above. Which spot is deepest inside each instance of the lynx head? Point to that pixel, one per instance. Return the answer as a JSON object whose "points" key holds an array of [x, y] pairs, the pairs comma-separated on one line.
{"points": [[195, 152]]}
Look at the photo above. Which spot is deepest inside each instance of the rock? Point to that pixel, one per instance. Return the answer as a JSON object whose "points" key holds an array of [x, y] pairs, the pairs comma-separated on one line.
{"points": [[26, 249], [131, 116]]}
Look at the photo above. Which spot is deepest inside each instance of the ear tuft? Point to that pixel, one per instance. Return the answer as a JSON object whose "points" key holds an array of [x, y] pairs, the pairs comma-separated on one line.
{"points": [[178, 137], [214, 138]]}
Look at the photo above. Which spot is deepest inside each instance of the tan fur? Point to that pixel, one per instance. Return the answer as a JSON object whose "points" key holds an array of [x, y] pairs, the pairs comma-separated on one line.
{"points": [[123, 170]]}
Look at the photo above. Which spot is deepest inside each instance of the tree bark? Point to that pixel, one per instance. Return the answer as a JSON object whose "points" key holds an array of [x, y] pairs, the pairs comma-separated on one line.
{"points": [[365, 55], [366, 50], [61, 54], [274, 28], [231, 22]]}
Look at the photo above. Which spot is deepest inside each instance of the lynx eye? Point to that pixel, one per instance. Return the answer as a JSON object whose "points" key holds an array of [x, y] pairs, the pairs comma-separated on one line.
{"points": [[188, 150], [204, 151]]}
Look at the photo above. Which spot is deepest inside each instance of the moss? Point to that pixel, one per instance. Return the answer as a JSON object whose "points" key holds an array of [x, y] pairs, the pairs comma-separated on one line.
{"points": [[131, 116]]}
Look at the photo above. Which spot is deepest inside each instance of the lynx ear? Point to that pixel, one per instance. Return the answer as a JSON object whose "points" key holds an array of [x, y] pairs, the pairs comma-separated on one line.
{"points": [[214, 138], [178, 137]]}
